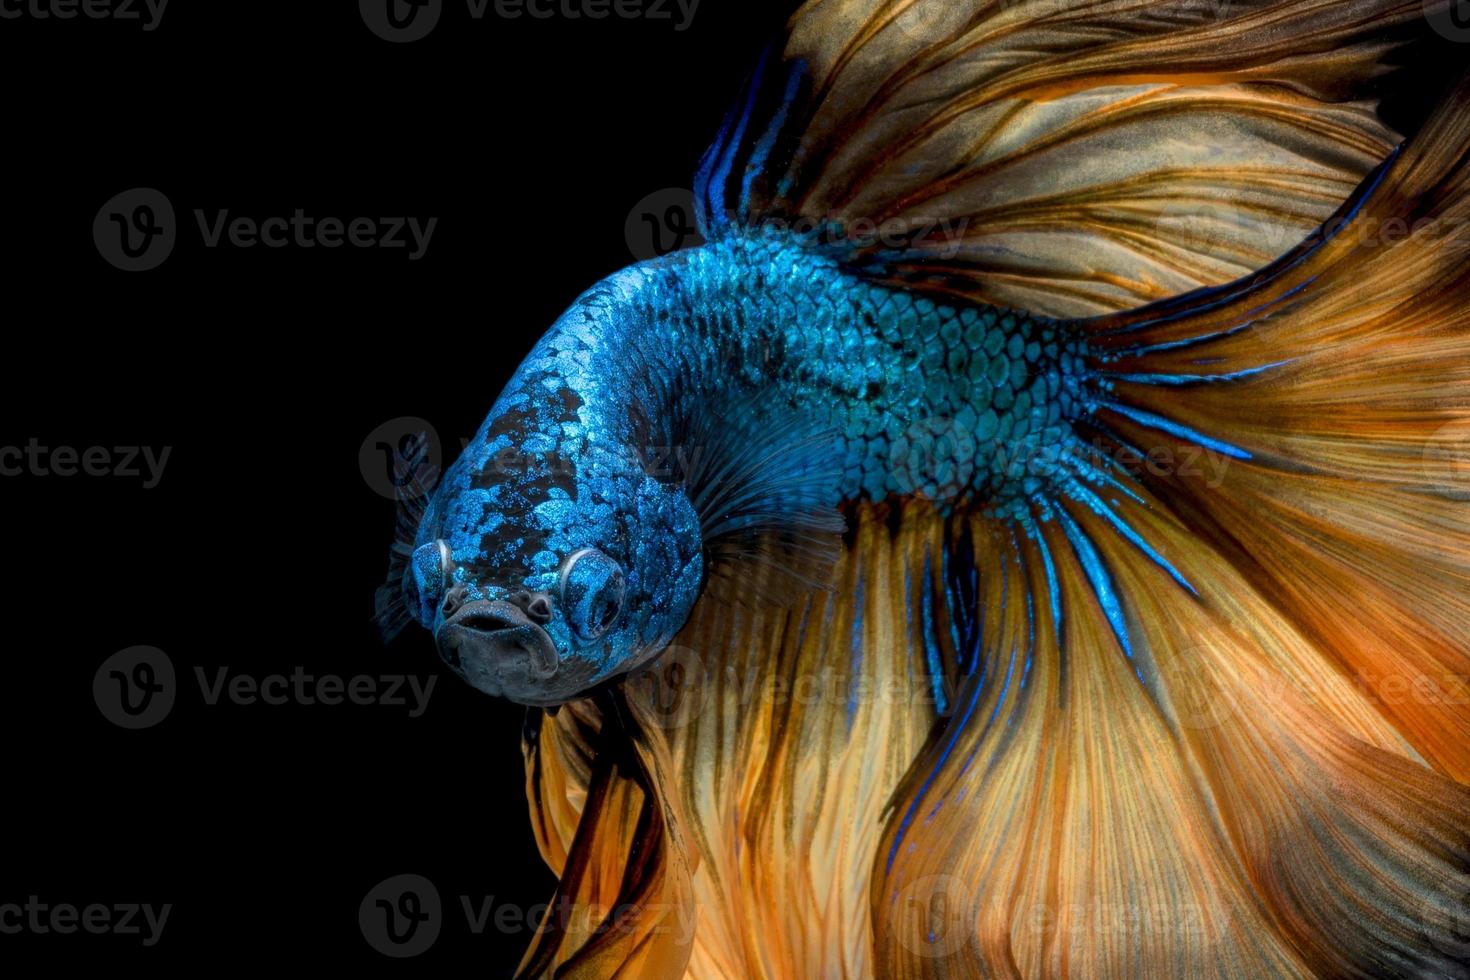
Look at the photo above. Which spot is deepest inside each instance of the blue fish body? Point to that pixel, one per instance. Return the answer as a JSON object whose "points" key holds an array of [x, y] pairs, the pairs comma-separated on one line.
{"points": [[720, 352]]}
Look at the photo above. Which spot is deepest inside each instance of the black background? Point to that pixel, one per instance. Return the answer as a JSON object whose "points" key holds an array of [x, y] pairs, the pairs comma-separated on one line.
{"points": [[265, 370]]}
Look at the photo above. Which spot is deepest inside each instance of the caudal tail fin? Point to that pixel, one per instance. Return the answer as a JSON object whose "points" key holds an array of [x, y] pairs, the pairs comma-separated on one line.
{"points": [[1336, 385], [1240, 742], [1303, 438]]}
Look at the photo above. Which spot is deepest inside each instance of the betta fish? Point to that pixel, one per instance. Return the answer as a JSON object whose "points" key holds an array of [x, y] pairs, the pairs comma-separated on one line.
{"points": [[1028, 536]]}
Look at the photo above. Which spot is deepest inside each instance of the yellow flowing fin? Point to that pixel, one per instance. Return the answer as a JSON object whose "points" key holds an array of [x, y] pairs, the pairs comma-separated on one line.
{"points": [[1248, 811], [1068, 160], [1253, 761], [1332, 394], [787, 731], [624, 906]]}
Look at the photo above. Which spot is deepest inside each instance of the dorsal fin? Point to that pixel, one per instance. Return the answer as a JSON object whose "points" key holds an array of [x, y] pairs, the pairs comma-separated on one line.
{"points": [[1066, 160]]}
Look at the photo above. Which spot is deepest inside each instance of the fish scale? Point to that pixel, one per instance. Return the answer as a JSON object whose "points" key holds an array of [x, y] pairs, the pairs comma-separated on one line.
{"points": [[923, 398]]}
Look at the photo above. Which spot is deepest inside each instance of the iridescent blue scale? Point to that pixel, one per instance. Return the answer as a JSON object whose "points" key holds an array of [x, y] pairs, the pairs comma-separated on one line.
{"points": [[951, 403]]}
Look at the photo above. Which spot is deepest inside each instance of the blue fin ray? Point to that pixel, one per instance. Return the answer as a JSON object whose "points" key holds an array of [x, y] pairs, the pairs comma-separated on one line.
{"points": [[1152, 421], [725, 181], [1186, 380], [1101, 508]]}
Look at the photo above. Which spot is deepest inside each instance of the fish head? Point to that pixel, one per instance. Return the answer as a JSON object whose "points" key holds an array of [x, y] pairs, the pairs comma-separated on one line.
{"points": [[551, 558]]}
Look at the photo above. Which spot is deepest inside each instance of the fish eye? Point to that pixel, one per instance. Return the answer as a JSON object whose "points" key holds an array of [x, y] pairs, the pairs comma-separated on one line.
{"points": [[431, 568], [592, 591]]}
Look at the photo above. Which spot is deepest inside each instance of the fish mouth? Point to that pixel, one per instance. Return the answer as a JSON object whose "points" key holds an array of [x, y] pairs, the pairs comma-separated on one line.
{"points": [[497, 649]]}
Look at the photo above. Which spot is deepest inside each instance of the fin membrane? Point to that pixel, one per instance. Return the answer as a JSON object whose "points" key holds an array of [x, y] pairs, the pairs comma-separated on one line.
{"points": [[1066, 160]]}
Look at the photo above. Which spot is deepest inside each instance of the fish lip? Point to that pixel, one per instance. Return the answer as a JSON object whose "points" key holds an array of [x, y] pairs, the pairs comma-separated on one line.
{"points": [[497, 649]]}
